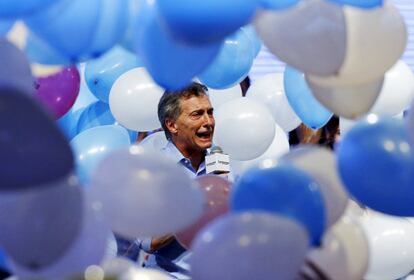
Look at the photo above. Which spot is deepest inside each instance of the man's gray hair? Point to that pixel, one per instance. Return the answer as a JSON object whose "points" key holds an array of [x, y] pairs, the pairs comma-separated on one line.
{"points": [[169, 106]]}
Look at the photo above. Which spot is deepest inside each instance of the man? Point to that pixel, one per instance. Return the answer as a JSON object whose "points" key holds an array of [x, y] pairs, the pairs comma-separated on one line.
{"points": [[188, 122]]}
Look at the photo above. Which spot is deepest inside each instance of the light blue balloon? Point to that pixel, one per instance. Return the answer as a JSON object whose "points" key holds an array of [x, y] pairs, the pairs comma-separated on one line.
{"points": [[68, 123], [101, 73], [5, 26], [129, 36], [39, 51], [232, 64], [201, 22], [376, 164], [366, 4], [99, 114], [3, 261], [277, 4], [251, 32], [300, 97], [93, 145], [284, 190], [18, 8], [80, 29], [171, 64]]}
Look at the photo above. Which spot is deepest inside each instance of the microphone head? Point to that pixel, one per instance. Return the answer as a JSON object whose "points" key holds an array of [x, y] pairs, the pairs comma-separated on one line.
{"points": [[216, 150]]}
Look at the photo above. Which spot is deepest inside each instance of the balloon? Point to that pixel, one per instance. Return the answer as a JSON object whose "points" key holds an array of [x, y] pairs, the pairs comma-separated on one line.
{"points": [[40, 52], [102, 22], [329, 260], [121, 268], [347, 101], [17, 74], [397, 91], [244, 128], [58, 92], [30, 143], [171, 64], [143, 193], [365, 63], [367, 155], [191, 21], [325, 174], [366, 4], [249, 246], [220, 96], [100, 74], [289, 34], [251, 33], [134, 100], [156, 141], [128, 39], [4, 262], [13, 9], [277, 4], [40, 224], [5, 26], [300, 97], [284, 190], [216, 192], [355, 242], [390, 242], [68, 123], [270, 90], [279, 146], [232, 64], [93, 145], [87, 249], [98, 114]]}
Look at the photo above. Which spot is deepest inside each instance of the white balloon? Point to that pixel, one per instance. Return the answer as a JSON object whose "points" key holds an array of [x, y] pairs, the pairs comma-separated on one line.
{"points": [[310, 36], [143, 193], [397, 91], [220, 96], [350, 101], [244, 128], [133, 100], [320, 163], [270, 90], [156, 141], [353, 238], [391, 242], [376, 39], [279, 146], [330, 259], [124, 269]]}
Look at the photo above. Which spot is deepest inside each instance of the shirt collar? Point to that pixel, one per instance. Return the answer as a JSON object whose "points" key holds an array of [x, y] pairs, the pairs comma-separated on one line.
{"points": [[173, 153]]}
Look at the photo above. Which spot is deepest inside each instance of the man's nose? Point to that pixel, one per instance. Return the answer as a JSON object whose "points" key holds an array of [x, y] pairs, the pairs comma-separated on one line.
{"points": [[208, 120]]}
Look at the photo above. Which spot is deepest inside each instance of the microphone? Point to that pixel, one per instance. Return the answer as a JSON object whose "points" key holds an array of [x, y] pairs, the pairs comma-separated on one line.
{"points": [[217, 162]]}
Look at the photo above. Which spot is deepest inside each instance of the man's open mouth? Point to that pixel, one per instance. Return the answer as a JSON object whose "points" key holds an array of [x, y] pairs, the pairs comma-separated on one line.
{"points": [[204, 135]]}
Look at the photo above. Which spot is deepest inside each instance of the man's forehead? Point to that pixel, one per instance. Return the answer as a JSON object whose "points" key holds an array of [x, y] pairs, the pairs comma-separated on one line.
{"points": [[195, 102]]}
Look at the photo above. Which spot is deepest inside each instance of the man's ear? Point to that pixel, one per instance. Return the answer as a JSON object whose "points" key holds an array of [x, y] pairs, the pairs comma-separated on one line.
{"points": [[171, 126]]}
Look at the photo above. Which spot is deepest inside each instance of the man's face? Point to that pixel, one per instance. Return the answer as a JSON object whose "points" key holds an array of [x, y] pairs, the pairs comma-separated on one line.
{"points": [[194, 128]]}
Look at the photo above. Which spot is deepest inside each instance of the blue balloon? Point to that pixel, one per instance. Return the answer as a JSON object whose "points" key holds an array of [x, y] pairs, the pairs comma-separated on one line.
{"points": [[78, 29], [129, 37], [251, 32], [300, 97], [39, 51], [5, 26], [366, 4], [68, 123], [18, 8], [201, 22], [171, 64], [376, 163], [100, 74], [93, 145], [277, 4], [33, 150], [98, 114], [232, 64], [284, 190]]}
